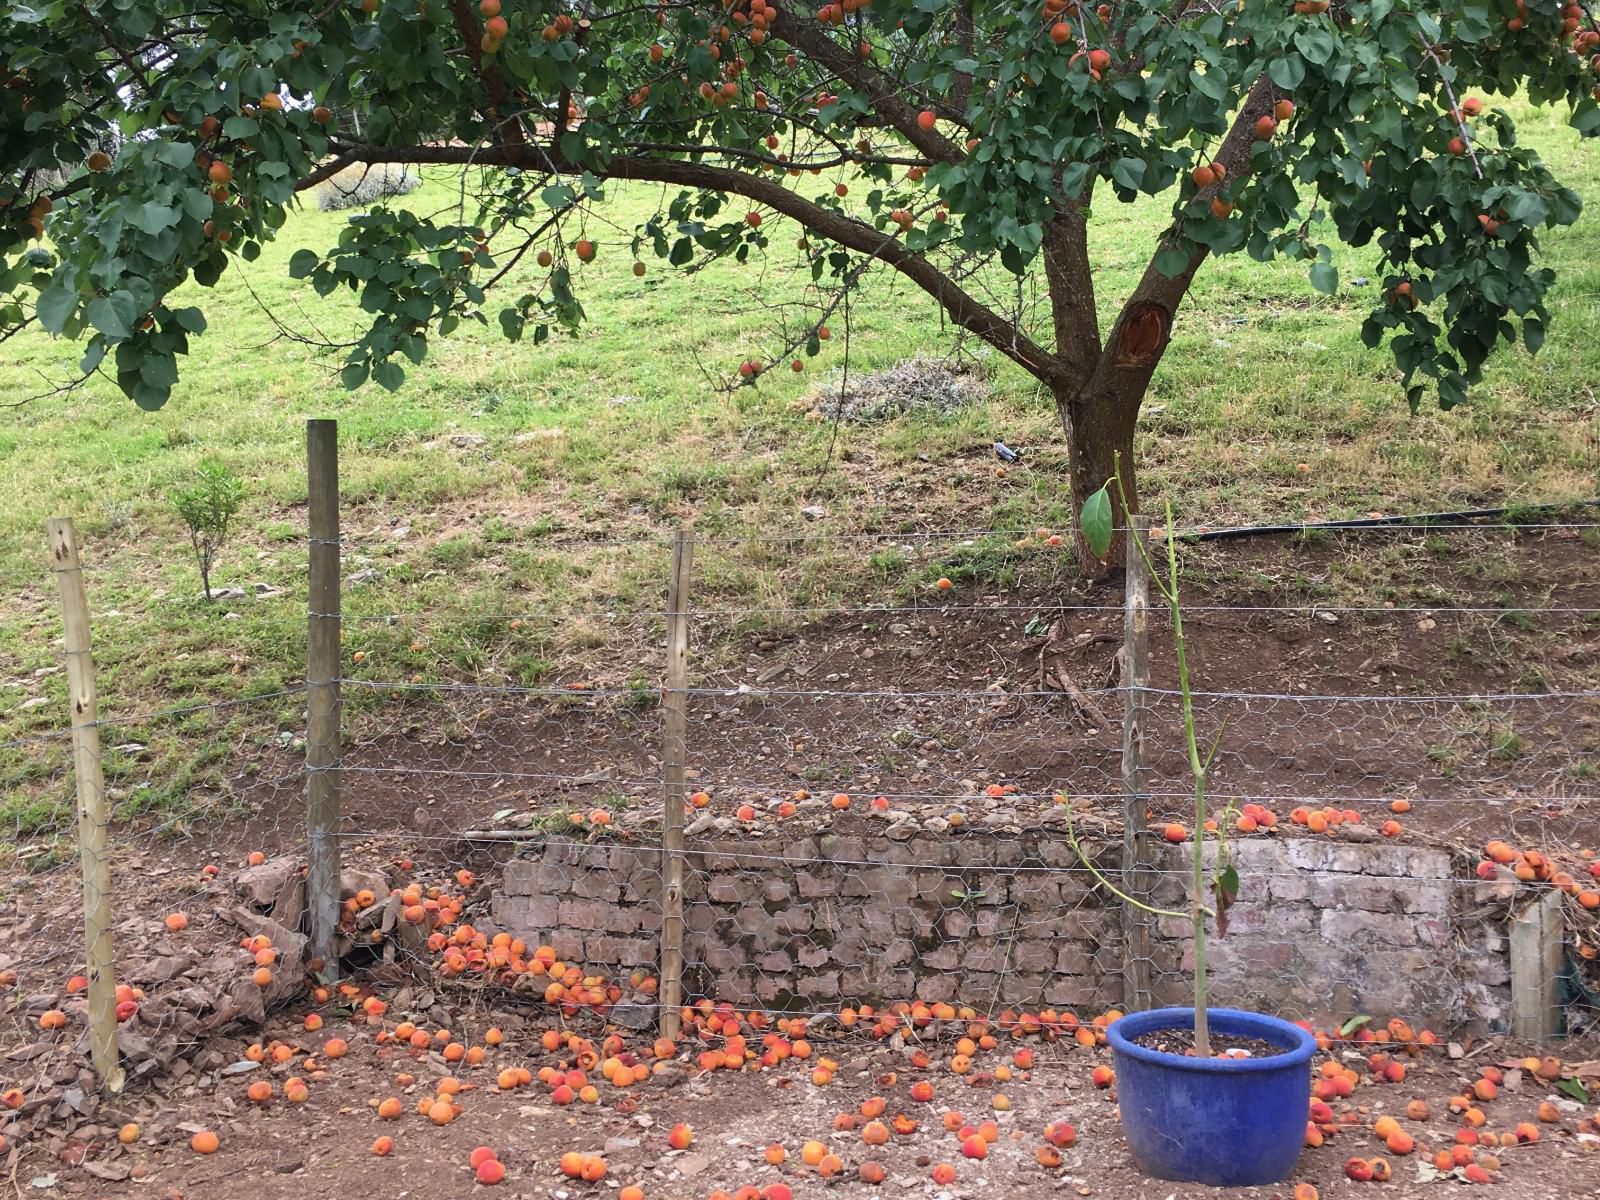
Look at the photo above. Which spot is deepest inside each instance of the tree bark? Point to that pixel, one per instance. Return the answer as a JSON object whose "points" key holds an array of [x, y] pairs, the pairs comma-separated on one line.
{"points": [[1099, 423]]}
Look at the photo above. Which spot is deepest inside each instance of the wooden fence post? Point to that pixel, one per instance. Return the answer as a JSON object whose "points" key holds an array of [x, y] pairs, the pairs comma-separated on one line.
{"points": [[92, 817], [1538, 950], [674, 753], [1136, 950], [322, 695]]}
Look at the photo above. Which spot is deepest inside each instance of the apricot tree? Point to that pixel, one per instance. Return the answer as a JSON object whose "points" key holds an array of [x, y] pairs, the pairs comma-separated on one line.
{"points": [[960, 143]]}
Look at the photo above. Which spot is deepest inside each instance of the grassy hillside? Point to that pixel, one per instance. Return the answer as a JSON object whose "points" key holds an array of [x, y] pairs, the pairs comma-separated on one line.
{"points": [[1267, 405]]}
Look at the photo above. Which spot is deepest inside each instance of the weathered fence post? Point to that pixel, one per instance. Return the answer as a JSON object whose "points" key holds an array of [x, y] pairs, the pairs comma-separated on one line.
{"points": [[99, 956], [1538, 949], [322, 694], [1136, 951], [674, 753]]}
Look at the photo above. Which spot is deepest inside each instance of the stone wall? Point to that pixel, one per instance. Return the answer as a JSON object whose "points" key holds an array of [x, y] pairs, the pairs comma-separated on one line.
{"points": [[1322, 928], [1330, 929]]}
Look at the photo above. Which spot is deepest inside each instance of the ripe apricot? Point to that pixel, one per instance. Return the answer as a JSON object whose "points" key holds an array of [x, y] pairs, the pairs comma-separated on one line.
{"points": [[1173, 832], [1417, 1110], [383, 1146], [680, 1137], [491, 1171], [177, 921], [943, 1174], [1103, 1077], [204, 1142], [811, 1153], [871, 1172]]}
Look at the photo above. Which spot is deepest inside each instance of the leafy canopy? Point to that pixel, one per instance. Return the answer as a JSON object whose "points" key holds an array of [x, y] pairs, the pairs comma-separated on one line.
{"points": [[147, 142]]}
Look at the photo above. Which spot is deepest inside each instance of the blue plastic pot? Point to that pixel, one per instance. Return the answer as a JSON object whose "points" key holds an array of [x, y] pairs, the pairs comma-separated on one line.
{"points": [[1225, 1122]]}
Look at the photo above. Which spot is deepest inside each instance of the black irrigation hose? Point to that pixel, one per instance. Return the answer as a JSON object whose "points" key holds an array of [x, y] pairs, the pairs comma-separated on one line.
{"points": [[1462, 518]]}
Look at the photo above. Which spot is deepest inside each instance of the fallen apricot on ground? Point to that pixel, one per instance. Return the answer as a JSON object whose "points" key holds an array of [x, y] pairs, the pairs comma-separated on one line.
{"points": [[490, 1171], [204, 1142]]}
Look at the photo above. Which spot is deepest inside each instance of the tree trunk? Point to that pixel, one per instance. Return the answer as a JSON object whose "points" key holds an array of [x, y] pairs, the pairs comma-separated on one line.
{"points": [[1099, 425]]}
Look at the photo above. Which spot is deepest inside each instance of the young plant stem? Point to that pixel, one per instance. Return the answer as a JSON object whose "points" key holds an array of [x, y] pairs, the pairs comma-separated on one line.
{"points": [[1197, 767]]}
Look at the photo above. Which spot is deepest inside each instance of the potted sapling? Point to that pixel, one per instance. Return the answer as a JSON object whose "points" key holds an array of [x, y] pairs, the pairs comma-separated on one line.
{"points": [[1215, 1096]]}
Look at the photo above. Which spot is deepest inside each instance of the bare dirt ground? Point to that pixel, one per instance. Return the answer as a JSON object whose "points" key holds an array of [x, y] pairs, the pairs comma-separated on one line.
{"points": [[323, 1144]]}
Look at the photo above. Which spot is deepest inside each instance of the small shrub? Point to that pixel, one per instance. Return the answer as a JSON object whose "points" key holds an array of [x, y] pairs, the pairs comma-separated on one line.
{"points": [[360, 185], [208, 508]]}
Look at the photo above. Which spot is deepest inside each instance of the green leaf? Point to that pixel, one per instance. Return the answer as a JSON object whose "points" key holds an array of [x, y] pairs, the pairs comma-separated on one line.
{"points": [[389, 375], [1095, 522], [1575, 1089], [557, 195], [302, 263], [1287, 72], [112, 315], [1325, 278], [1532, 334], [56, 306], [174, 154], [153, 217], [240, 127], [1129, 172], [353, 375], [191, 319], [1172, 262], [1353, 1024], [1228, 882]]}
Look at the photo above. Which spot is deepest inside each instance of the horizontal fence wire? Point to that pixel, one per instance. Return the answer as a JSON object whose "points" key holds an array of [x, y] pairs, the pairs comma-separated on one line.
{"points": [[942, 818]]}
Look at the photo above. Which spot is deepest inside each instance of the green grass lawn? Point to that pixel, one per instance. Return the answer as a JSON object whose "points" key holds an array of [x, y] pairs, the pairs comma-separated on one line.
{"points": [[1266, 406]]}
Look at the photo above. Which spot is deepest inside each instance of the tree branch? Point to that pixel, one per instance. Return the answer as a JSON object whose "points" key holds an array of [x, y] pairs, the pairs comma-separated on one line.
{"points": [[1144, 326], [886, 101], [506, 129], [1071, 284], [837, 227], [326, 171]]}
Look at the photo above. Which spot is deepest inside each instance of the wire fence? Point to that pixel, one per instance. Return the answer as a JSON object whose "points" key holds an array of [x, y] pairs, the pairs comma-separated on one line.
{"points": [[942, 798]]}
